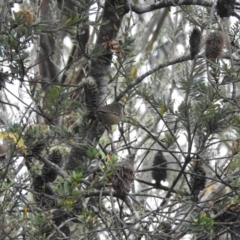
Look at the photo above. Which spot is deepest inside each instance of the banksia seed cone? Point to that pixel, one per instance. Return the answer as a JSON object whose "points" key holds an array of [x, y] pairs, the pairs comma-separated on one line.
{"points": [[123, 178], [48, 173], [225, 8], [194, 42], [160, 172], [60, 216], [228, 220], [36, 148], [197, 180], [41, 190], [214, 44]]}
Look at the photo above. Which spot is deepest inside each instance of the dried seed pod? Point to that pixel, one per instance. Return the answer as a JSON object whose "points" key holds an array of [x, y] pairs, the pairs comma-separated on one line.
{"points": [[194, 42], [228, 220], [36, 139], [24, 17], [111, 44], [37, 148], [225, 8], [214, 44], [60, 216], [123, 178], [42, 193], [48, 173], [197, 179], [160, 172]]}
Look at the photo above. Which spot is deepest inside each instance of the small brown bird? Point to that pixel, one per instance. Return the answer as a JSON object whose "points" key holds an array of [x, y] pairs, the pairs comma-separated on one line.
{"points": [[110, 114], [160, 172]]}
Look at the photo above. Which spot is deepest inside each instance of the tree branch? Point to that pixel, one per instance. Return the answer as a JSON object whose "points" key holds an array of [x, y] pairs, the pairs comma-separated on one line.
{"points": [[140, 9], [141, 78], [204, 202]]}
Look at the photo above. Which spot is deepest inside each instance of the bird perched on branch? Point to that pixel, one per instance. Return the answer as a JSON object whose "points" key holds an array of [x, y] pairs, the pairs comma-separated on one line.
{"points": [[110, 114], [160, 164], [197, 179]]}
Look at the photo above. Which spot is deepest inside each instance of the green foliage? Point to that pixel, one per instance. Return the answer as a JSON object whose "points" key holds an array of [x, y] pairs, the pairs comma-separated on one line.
{"points": [[128, 46], [58, 102], [73, 19], [41, 224], [76, 177], [88, 218], [207, 114], [109, 166], [236, 198], [201, 223], [235, 161], [168, 139], [92, 153], [68, 190]]}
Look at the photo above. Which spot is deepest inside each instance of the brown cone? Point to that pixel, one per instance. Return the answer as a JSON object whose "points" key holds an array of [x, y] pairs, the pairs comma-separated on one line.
{"points": [[123, 178], [194, 42], [42, 193], [225, 8], [214, 44], [160, 172]]}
